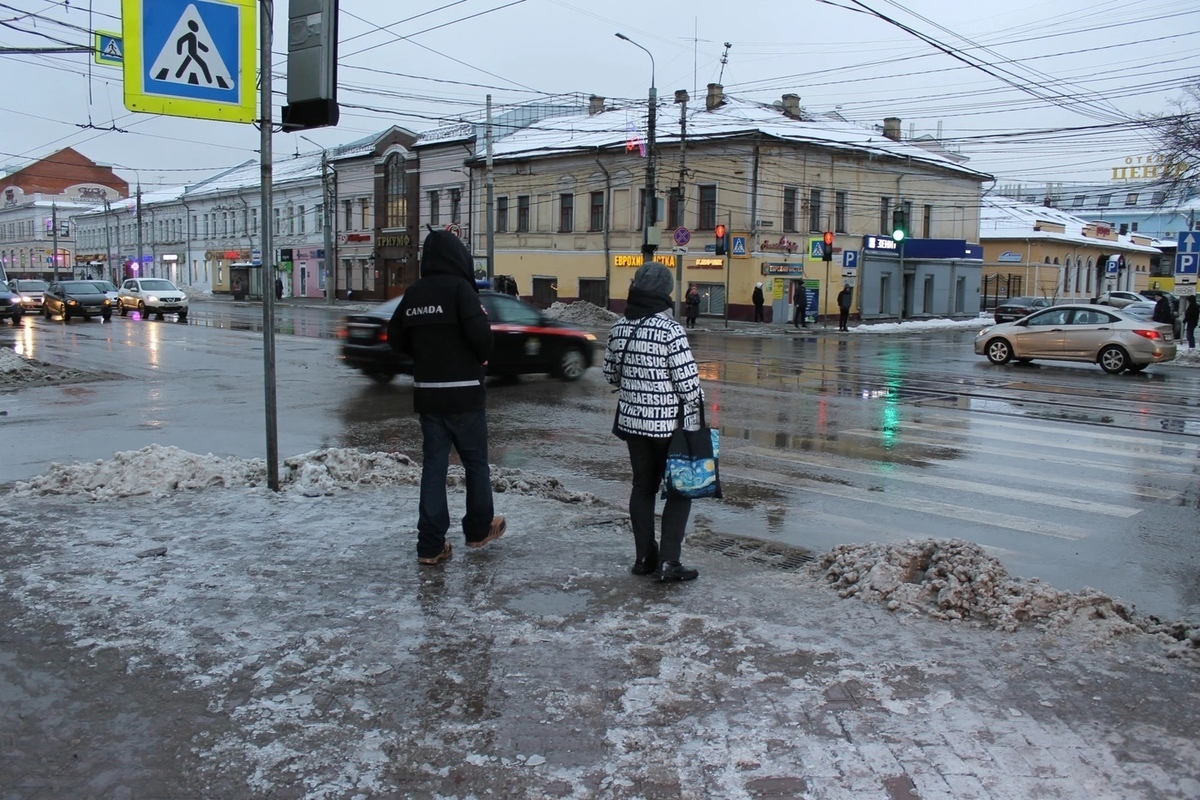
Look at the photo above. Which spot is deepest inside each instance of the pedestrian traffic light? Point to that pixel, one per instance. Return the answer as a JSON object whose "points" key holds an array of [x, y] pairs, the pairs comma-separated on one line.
{"points": [[899, 225], [722, 240], [827, 250]]}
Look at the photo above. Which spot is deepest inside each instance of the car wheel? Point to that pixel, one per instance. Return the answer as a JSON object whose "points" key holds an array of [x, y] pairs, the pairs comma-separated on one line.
{"points": [[1135, 368], [999, 351], [121, 309], [45, 313], [1113, 359], [571, 364], [183, 316], [106, 316], [158, 316], [17, 318], [66, 314], [379, 376], [142, 309]]}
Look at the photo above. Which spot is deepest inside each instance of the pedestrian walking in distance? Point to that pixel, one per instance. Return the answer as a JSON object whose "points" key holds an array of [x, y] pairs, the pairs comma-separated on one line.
{"points": [[692, 299], [1190, 317], [278, 288], [757, 298], [844, 298], [800, 298], [650, 362], [443, 326]]}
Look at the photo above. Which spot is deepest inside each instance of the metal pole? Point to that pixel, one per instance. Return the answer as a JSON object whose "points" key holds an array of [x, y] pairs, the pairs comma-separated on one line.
{"points": [[108, 244], [327, 224], [728, 265], [54, 236], [491, 186], [648, 206], [139, 229], [682, 98], [266, 24]]}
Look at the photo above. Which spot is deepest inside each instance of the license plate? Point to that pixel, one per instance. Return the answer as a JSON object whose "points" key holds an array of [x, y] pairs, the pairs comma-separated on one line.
{"points": [[359, 333]]}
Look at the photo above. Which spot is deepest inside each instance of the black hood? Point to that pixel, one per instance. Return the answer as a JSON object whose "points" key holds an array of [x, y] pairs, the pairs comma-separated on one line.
{"points": [[445, 254]]}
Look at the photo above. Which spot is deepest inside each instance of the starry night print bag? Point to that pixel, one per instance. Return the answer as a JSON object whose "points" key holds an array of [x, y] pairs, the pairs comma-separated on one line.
{"points": [[692, 461]]}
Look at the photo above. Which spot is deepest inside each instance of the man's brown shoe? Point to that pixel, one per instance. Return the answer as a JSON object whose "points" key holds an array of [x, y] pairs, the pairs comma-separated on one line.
{"points": [[494, 533], [447, 551]]}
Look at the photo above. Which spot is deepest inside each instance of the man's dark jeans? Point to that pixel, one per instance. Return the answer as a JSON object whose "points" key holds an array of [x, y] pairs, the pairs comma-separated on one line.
{"points": [[648, 457], [467, 432]]}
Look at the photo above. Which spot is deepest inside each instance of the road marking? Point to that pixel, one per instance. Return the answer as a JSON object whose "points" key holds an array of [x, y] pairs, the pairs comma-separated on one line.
{"points": [[1149, 438], [990, 489]]}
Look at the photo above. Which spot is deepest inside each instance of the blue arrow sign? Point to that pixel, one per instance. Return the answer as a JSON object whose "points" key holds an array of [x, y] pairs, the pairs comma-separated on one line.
{"points": [[1188, 242]]}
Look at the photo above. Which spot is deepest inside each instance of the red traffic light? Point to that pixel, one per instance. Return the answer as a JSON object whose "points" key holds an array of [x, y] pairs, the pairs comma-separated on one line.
{"points": [[720, 231], [828, 238]]}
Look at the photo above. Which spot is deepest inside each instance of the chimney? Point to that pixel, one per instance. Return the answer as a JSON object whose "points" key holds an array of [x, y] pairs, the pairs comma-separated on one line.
{"points": [[595, 105], [891, 128], [791, 105], [716, 96]]}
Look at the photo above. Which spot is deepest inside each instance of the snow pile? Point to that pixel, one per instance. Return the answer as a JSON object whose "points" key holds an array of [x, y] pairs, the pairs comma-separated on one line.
{"points": [[156, 470], [922, 325], [583, 313], [956, 580], [196, 292], [10, 362], [1186, 357]]}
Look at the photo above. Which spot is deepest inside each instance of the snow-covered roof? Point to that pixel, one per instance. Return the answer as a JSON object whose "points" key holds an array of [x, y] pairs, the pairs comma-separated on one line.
{"points": [[1004, 218], [614, 127], [306, 166]]}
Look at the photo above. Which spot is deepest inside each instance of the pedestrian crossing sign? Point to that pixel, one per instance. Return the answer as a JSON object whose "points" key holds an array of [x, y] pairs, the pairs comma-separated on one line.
{"points": [[738, 248], [191, 58], [110, 49]]}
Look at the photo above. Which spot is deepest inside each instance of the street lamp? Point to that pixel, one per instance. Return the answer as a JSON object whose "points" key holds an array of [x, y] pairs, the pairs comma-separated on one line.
{"points": [[328, 197], [648, 246]]}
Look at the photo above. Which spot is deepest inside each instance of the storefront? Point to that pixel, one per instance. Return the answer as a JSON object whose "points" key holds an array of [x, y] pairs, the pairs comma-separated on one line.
{"points": [[919, 278], [397, 253]]}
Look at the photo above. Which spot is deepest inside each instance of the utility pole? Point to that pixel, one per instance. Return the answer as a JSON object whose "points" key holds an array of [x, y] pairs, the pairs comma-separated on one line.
{"points": [[491, 188], [108, 244], [54, 236], [681, 97], [327, 224], [138, 268], [266, 25]]}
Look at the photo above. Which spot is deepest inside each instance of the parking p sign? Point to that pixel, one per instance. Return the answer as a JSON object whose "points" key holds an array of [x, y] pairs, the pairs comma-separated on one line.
{"points": [[1187, 257]]}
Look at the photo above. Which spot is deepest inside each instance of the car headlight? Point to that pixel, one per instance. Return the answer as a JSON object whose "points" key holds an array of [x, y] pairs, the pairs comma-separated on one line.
{"points": [[152, 299], [106, 301], [71, 302]]}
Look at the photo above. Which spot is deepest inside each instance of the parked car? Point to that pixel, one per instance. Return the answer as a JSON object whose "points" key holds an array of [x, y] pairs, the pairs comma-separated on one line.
{"points": [[1079, 332], [10, 306], [30, 291], [1016, 307], [75, 299], [1153, 294], [526, 341], [155, 296], [109, 290], [1145, 312], [1120, 299]]}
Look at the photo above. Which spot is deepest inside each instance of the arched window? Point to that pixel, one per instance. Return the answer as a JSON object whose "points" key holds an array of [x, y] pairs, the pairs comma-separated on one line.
{"points": [[397, 198]]}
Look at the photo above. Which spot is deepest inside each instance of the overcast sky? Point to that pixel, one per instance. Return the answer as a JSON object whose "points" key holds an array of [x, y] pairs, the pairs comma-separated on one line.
{"points": [[1079, 64]]}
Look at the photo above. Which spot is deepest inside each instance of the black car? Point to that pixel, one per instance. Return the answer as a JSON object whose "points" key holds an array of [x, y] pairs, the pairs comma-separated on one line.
{"points": [[1154, 294], [526, 341], [1015, 308], [10, 306], [76, 299]]}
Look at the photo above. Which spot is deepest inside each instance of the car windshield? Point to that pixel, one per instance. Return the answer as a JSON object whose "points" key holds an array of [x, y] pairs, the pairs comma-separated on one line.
{"points": [[80, 287], [30, 286], [1019, 301], [104, 286], [158, 286]]}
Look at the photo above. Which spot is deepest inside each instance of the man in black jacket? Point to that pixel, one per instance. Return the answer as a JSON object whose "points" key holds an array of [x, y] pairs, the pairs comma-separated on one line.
{"points": [[443, 326]]}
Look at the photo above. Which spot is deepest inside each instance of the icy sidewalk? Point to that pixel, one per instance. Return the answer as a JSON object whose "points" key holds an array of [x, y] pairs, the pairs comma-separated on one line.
{"points": [[293, 648]]}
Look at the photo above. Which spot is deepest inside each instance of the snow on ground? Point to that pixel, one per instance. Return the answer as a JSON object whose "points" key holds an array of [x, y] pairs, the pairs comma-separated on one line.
{"points": [[196, 292], [582, 313], [922, 325]]}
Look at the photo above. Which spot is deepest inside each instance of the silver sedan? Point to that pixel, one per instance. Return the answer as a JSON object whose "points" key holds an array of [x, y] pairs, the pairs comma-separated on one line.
{"points": [[1088, 333]]}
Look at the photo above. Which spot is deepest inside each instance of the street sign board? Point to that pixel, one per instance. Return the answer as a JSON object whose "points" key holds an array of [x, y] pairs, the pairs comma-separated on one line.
{"points": [[1187, 257], [1185, 290], [849, 259], [110, 49], [191, 58], [682, 236], [710, 248], [816, 248], [737, 246]]}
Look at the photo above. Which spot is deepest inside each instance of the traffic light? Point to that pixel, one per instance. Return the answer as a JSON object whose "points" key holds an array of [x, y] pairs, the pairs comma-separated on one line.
{"points": [[722, 240], [899, 225], [827, 250]]}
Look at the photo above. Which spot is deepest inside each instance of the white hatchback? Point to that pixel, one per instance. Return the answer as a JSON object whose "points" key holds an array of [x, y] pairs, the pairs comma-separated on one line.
{"points": [[155, 296]]}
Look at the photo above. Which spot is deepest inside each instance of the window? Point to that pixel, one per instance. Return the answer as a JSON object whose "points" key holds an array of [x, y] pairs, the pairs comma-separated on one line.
{"points": [[455, 204], [908, 217], [319, 217], [1079, 198], [254, 221], [885, 215], [435, 208], [675, 208], [194, 227], [789, 209], [566, 213], [395, 196], [1131, 199], [814, 210], [928, 220], [348, 208], [300, 219], [1133, 227], [365, 207], [596, 212], [1104, 200], [839, 212], [1158, 197], [206, 233], [291, 219], [276, 227], [522, 213], [501, 215], [706, 218]]}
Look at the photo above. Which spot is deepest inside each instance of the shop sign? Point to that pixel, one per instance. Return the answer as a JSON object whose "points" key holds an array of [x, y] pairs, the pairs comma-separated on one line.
{"points": [[1009, 257], [403, 240], [666, 259], [784, 245], [785, 268], [709, 263]]}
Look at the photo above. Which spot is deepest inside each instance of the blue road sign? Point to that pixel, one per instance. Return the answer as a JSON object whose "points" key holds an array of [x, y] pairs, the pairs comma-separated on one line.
{"points": [[710, 248], [682, 236], [849, 259], [816, 249], [1187, 254], [739, 246], [110, 49]]}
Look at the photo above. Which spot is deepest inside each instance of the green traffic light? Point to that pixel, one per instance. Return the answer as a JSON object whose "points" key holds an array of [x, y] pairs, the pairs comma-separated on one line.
{"points": [[898, 235]]}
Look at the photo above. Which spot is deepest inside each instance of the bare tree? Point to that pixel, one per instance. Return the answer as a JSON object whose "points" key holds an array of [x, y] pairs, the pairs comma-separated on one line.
{"points": [[1178, 138]]}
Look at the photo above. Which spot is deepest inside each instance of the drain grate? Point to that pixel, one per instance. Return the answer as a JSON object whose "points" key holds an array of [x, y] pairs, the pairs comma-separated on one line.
{"points": [[746, 548]]}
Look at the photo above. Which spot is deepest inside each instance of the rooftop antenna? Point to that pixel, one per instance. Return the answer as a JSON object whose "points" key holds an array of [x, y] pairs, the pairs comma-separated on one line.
{"points": [[724, 61]]}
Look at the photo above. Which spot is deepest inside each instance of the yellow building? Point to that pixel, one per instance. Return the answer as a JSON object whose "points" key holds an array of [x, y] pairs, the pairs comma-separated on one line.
{"points": [[569, 200], [1031, 250]]}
